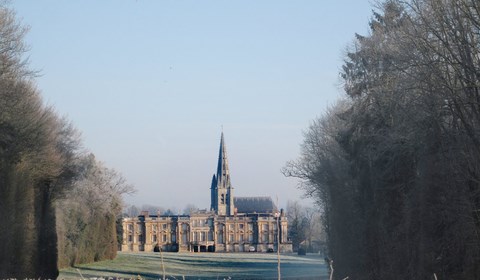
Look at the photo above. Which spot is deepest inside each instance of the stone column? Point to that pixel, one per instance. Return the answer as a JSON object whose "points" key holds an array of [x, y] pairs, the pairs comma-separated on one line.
{"points": [[284, 231], [135, 236], [225, 235], [125, 236], [179, 234], [147, 237]]}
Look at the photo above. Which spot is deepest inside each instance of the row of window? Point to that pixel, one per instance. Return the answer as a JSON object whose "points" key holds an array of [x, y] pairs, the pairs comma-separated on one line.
{"points": [[163, 226], [154, 227], [202, 236], [265, 227], [201, 223], [163, 238]]}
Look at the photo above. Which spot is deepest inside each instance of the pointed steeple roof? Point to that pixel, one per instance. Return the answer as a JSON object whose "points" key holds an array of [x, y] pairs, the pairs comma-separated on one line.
{"points": [[223, 173]]}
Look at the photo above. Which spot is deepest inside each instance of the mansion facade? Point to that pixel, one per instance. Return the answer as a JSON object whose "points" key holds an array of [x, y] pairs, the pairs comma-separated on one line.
{"points": [[233, 224]]}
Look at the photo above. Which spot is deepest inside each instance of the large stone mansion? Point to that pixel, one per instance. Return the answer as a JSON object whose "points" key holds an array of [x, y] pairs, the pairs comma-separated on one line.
{"points": [[233, 224]]}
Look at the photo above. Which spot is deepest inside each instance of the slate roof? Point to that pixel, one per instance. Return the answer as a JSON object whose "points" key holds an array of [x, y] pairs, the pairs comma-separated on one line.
{"points": [[257, 204]]}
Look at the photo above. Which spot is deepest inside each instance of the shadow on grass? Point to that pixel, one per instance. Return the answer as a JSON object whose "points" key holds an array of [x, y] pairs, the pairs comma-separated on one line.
{"points": [[91, 272]]}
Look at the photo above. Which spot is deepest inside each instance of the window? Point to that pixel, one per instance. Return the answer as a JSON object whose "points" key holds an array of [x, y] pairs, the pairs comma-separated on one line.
{"points": [[164, 226], [195, 236], [265, 227], [154, 238], [130, 227], [232, 238], [265, 238], [250, 237], [231, 227], [240, 226], [250, 226], [154, 227], [220, 237], [202, 236], [240, 237], [130, 238], [223, 199], [164, 238], [210, 236]]}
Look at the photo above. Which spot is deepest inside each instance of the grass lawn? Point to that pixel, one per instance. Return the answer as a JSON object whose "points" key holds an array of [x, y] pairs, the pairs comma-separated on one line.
{"points": [[202, 266]]}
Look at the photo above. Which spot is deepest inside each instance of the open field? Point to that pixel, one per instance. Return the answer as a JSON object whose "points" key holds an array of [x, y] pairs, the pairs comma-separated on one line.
{"points": [[203, 266]]}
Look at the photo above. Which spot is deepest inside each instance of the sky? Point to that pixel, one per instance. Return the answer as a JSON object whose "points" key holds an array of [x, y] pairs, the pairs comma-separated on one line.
{"points": [[152, 84]]}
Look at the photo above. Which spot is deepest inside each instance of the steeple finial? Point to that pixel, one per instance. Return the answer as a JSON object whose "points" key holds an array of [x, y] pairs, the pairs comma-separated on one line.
{"points": [[223, 174], [222, 191]]}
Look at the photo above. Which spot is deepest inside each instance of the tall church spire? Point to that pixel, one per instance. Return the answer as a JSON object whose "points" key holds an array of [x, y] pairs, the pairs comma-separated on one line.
{"points": [[223, 174], [222, 191]]}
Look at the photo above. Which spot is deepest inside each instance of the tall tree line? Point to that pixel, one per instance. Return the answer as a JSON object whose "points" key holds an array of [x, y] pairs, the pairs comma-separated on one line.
{"points": [[42, 165], [396, 163]]}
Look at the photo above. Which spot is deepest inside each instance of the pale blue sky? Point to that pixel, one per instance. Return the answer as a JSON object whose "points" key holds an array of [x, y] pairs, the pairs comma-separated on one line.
{"points": [[150, 83]]}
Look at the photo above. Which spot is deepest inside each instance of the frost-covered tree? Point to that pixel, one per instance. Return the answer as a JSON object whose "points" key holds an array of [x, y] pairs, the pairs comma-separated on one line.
{"points": [[88, 212], [397, 169]]}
